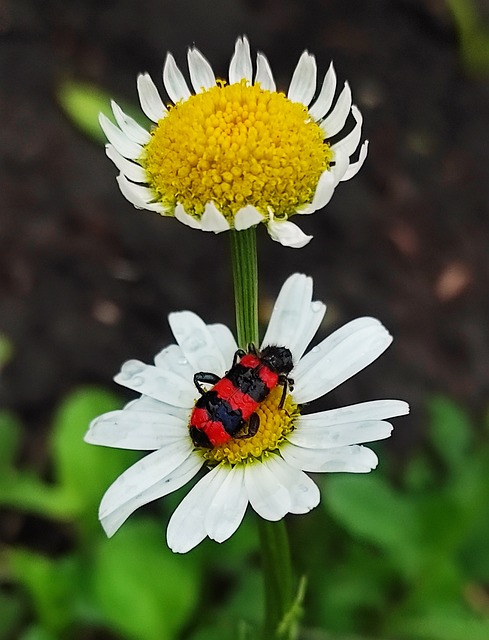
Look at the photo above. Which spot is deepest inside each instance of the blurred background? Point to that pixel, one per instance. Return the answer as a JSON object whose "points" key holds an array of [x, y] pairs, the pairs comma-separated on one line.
{"points": [[87, 281]]}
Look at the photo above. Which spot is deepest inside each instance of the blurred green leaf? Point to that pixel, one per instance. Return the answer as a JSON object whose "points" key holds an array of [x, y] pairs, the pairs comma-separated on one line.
{"points": [[11, 611], [473, 35], [83, 102], [50, 583], [6, 350], [449, 622], [145, 591], [368, 508], [10, 433], [451, 431]]}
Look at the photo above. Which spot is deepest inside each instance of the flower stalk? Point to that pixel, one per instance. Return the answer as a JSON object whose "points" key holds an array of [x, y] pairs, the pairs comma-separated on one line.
{"points": [[274, 543]]}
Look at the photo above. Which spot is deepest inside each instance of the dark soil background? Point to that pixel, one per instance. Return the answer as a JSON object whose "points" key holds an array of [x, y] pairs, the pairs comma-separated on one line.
{"points": [[86, 280]]}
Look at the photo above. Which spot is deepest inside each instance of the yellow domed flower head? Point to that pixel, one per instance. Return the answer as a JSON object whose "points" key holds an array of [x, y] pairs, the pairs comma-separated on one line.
{"points": [[237, 153]]}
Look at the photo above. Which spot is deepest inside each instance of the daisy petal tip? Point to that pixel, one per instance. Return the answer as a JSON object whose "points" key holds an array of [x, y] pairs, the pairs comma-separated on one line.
{"points": [[288, 234]]}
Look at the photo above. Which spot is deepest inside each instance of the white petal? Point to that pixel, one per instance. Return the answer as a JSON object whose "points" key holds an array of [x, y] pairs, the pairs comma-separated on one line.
{"points": [[349, 143], [201, 74], [213, 220], [325, 98], [354, 459], [172, 481], [372, 410], [157, 383], [173, 359], [145, 403], [240, 67], [333, 436], [225, 342], [150, 99], [303, 492], [303, 84], [175, 84], [129, 126], [143, 431], [340, 166], [197, 343], [247, 217], [131, 170], [264, 75], [182, 216], [267, 495], [121, 142], [287, 233], [186, 527], [355, 167], [144, 474], [323, 194], [335, 122], [227, 509], [139, 195], [340, 356], [295, 317]]}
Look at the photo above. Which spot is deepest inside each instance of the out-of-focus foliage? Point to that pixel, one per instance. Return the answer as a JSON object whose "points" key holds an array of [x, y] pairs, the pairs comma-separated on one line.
{"points": [[473, 33], [82, 103], [401, 555]]}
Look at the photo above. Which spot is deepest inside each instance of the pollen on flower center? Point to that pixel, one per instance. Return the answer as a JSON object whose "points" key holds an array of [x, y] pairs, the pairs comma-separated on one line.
{"points": [[236, 145], [275, 424]]}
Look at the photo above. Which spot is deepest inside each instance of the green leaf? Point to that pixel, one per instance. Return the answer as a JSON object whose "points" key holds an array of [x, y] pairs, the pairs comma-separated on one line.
{"points": [[50, 583], [83, 102], [145, 591], [371, 510], [450, 622], [451, 432], [10, 433]]}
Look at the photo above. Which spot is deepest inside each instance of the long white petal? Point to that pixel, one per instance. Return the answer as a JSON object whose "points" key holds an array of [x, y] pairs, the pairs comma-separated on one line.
{"points": [[147, 404], [186, 527], [157, 383], [227, 509], [142, 431], [340, 435], [129, 126], [175, 83], [197, 343], [247, 217], [264, 75], [201, 73], [303, 492], [240, 66], [295, 317], [131, 170], [225, 342], [323, 194], [303, 84], [185, 218], [139, 195], [267, 495], [349, 143], [144, 474], [371, 410], [355, 167], [150, 99], [121, 142], [335, 122], [340, 356], [172, 481], [352, 459], [213, 220], [287, 233], [324, 100]]}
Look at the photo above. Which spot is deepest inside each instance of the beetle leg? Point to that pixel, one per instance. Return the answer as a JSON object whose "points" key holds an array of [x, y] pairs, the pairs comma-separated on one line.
{"points": [[287, 383], [239, 354], [206, 378]]}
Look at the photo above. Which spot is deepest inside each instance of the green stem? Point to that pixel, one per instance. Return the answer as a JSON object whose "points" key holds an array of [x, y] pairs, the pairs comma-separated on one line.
{"points": [[274, 542], [245, 276]]}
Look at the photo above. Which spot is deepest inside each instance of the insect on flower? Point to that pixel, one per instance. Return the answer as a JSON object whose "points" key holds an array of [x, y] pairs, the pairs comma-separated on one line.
{"points": [[221, 413]]}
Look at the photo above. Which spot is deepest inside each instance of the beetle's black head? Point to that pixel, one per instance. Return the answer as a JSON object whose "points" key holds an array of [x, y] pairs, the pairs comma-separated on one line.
{"points": [[277, 359]]}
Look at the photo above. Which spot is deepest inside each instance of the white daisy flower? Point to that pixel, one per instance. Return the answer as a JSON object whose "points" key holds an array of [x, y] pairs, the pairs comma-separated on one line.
{"points": [[228, 155], [265, 470]]}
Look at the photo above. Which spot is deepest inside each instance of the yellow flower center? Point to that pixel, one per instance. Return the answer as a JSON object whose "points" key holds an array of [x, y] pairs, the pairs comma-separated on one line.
{"points": [[275, 424], [236, 145]]}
